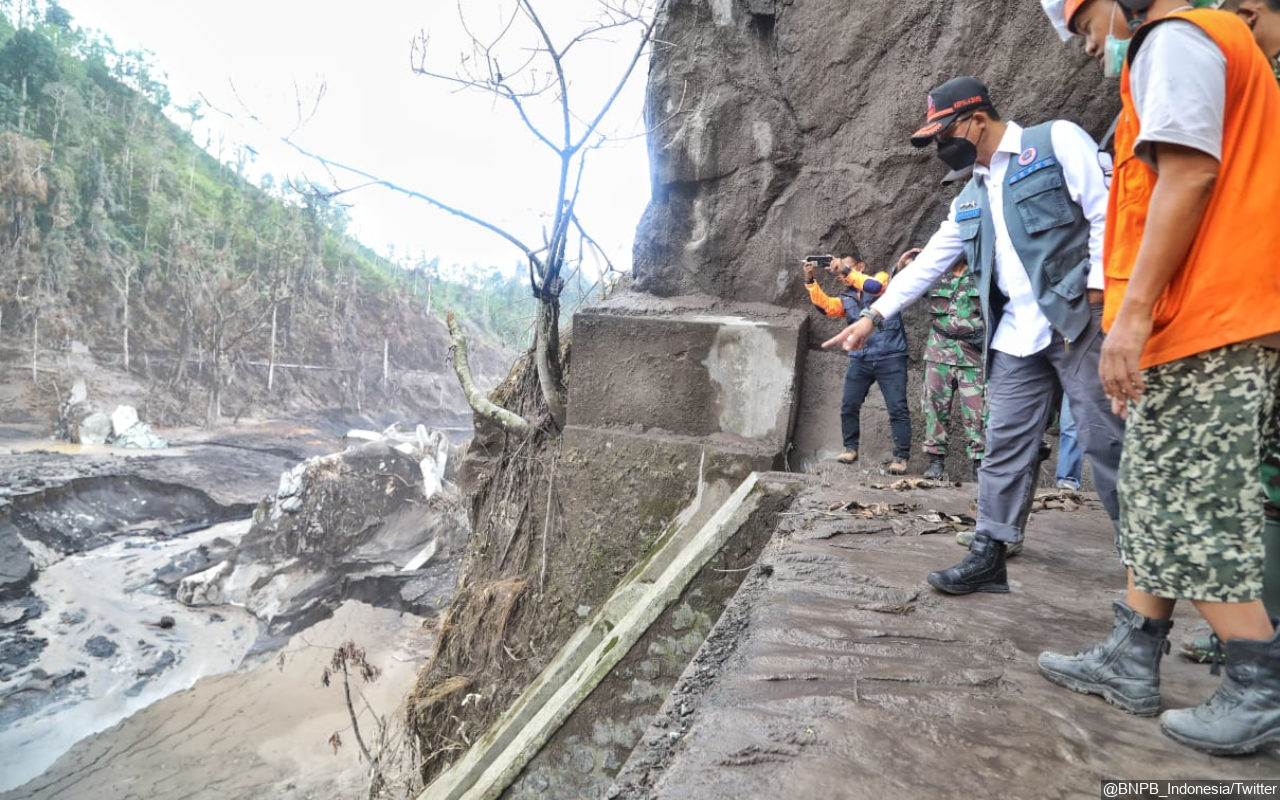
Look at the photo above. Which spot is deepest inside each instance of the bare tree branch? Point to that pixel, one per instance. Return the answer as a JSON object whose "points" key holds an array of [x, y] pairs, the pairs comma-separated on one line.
{"points": [[617, 90], [596, 245], [372, 180], [495, 84]]}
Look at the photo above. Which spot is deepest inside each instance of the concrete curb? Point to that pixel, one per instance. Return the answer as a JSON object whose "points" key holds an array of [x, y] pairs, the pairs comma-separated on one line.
{"points": [[495, 760]]}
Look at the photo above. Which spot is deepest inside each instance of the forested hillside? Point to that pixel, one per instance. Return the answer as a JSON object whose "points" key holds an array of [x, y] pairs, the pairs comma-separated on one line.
{"points": [[118, 232]]}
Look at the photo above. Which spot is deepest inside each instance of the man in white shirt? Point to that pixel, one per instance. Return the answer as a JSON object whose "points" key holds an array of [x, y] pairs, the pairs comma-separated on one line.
{"points": [[1030, 223]]}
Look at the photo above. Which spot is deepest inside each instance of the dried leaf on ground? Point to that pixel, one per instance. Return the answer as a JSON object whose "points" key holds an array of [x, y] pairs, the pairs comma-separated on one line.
{"points": [[942, 522], [861, 509], [908, 484], [1057, 500]]}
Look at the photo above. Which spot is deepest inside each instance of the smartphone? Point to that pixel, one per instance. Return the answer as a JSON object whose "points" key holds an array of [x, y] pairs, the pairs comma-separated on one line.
{"points": [[822, 261]]}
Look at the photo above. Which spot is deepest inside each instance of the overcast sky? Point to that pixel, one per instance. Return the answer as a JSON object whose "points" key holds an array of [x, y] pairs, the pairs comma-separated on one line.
{"points": [[466, 149]]}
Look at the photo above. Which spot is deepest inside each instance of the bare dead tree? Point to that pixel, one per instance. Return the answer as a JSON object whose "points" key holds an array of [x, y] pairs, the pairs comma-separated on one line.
{"points": [[221, 309], [349, 658], [538, 81]]}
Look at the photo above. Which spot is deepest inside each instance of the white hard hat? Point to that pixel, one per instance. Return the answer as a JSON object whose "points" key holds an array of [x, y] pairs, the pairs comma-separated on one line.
{"points": [[1057, 13]]}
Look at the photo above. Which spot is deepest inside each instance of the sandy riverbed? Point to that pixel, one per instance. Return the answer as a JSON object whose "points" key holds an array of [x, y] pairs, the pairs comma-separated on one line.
{"points": [[262, 732]]}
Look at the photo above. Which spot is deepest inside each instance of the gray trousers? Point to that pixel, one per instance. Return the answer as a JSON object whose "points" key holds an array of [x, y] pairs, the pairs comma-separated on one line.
{"points": [[1020, 397]]}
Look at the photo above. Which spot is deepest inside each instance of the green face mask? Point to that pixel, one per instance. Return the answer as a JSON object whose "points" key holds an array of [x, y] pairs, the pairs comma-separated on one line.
{"points": [[1118, 49], [1115, 50], [1113, 61]]}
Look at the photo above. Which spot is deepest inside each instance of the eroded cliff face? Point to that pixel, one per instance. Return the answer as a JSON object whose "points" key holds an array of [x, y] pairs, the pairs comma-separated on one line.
{"points": [[780, 128]]}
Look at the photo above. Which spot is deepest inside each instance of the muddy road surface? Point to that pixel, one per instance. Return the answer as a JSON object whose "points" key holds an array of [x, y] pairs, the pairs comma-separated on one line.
{"points": [[838, 672]]}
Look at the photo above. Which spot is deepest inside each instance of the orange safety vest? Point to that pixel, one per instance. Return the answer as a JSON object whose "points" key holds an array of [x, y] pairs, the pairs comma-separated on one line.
{"points": [[1228, 288]]}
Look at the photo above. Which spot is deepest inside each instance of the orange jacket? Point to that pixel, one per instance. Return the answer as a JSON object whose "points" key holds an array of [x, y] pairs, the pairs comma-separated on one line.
{"points": [[831, 306], [1228, 288]]}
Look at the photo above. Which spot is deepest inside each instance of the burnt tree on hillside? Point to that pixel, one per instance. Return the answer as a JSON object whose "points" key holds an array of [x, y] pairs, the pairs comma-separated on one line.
{"points": [[221, 309], [527, 70], [24, 187]]}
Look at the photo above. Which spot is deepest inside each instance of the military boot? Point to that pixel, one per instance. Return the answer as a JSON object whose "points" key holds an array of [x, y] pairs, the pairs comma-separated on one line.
{"points": [[982, 570], [937, 469], [1124, 670], [1244, 713]]}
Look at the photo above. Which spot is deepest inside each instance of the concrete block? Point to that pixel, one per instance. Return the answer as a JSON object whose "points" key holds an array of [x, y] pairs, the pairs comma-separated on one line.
{"points": [[640, 483], [688, 368]]}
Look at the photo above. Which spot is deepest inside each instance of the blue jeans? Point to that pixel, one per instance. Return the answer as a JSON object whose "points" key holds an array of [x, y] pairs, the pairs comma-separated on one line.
{"points": [[1070, 457], [891, 374]]}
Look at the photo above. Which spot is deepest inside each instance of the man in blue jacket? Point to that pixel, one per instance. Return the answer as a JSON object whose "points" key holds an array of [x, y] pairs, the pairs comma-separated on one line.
{"points": [[882, 361]]}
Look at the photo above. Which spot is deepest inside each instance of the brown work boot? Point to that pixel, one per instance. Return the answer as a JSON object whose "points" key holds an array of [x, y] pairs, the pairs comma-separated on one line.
{"points": [[898, 466], [847, 457]]}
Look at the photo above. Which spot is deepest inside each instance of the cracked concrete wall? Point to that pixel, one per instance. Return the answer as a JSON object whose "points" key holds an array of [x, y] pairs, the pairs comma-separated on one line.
{"points": [[780, 128]]}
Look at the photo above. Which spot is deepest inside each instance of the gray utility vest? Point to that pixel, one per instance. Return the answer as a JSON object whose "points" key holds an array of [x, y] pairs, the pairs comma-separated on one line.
{"points": [[1048, 229]]}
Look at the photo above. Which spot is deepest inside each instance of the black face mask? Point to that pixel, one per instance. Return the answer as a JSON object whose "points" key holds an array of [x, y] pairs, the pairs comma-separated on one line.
{"points": [[958, 152]]}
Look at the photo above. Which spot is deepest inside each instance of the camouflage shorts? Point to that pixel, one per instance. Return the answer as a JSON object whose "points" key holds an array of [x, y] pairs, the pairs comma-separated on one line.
{"points": [[1271, 478], [1190, 503]]}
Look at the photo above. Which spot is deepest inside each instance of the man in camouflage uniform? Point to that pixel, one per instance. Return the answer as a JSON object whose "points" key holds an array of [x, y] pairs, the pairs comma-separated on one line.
{"points": [[953, 365]]}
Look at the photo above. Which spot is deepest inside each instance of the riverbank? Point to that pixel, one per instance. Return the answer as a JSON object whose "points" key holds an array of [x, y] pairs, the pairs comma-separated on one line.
{"points": [[261, 732], [101, 641]]}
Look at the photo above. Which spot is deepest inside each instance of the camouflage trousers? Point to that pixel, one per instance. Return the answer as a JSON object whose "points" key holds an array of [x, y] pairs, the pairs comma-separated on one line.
{"points": [[941, 383], [1271, 479], [1190, 503]]}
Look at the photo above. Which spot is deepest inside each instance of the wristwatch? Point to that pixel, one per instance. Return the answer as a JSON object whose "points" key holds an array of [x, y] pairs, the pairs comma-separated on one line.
{"points": [[874, 316]]}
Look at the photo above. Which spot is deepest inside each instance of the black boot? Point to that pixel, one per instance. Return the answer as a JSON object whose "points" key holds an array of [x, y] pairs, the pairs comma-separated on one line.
{"points": [[937, 469], [1124, 670], [981, 571], [977, 465], [1244, 713]]}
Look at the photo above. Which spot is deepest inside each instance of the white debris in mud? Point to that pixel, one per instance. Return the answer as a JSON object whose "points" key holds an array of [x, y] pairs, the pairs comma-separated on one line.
{"points": [[420, 560], [430, 447], [204, 588], [122, 419]]}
